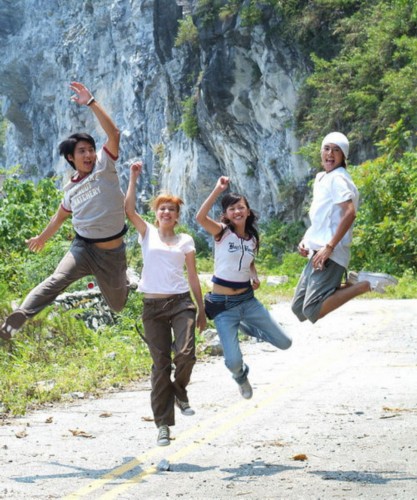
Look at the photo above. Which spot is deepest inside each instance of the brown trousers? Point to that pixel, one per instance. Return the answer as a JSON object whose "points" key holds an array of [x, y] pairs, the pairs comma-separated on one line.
{"points": [[169, 325], [83, 259]]}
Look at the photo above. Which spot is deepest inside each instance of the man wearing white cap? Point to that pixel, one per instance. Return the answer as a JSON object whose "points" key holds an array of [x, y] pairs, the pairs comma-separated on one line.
{"points": [[327, 241]]}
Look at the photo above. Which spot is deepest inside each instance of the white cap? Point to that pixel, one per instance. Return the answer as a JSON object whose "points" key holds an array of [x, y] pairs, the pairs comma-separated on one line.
{"points": [[339, 139]]}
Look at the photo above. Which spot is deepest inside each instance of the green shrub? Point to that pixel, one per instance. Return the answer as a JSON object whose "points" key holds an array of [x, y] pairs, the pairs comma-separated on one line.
{"points": [[189, 123], [187, 32]]}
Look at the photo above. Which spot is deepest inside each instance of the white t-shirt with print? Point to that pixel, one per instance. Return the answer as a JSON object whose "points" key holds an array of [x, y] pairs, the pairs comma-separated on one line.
{"points": [[233, 256], [96, 201]]}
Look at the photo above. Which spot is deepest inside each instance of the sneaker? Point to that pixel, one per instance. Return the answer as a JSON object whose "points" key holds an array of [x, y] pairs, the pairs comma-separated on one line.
{"points": [[246, 389], [378, 281], [163, 436], [185, 407], [132, 279], [12, 324]]}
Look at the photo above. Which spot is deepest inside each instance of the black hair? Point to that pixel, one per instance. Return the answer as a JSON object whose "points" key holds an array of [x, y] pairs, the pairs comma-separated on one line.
{"points": [[67, 147], [250, 225]]}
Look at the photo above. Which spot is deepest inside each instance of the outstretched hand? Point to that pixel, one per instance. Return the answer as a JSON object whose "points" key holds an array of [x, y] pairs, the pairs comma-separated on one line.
{"points": [[35, 244], [83, 95]]}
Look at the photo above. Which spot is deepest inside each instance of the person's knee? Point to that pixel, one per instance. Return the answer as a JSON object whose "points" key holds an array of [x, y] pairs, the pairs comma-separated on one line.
{"points": [[298, 311], [286, 343], [118, 302], [183, 359], [311, 312]]}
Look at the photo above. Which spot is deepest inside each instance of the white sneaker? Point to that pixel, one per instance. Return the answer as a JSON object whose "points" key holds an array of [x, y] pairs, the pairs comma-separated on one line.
{"points": [[378, 281], [246, 389], [133, 278]]}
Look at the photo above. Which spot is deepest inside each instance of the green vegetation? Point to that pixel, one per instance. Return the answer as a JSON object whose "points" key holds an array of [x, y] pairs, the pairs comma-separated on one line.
{"points": [[189, 123], [363, 56], [187, 32], [386, 225], [55, 354]]}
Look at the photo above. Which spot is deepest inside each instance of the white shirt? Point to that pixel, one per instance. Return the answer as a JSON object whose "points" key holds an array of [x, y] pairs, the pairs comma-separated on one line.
{"points": [[163, 265], [331, 189], [233, 256]]}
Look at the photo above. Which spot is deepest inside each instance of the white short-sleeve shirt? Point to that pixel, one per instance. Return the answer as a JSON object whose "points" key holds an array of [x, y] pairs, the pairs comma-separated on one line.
{"points": [[330, 190], [163, 265]]}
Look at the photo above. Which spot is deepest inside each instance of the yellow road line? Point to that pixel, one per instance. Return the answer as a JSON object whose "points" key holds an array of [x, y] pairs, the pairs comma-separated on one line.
{"points": [[298, 376], [280, 387]]}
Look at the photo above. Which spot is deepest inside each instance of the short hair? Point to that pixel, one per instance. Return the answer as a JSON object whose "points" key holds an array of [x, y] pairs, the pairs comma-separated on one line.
{"points": [[166, 198], [67, 147]]}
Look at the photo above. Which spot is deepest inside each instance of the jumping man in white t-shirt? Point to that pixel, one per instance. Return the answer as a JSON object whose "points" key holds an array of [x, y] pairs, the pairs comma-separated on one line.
{"points": [[327, 241]]}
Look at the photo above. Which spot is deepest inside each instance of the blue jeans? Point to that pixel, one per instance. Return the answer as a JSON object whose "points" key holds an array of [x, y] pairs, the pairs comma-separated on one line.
{"points": [[254, 320]]}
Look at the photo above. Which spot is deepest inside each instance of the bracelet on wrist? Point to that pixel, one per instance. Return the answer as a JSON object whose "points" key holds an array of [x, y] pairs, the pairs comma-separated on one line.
{"points": [[90, 101], [329, 246]]}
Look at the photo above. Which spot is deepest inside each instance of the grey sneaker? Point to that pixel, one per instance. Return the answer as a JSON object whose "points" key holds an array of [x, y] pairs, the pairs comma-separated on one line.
{"points": [[378, 281], [13, 322], [246, 389], [185, 407], [163, 436]]}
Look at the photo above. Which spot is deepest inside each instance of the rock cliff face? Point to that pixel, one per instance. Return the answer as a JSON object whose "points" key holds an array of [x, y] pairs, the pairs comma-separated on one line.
{"points": [[244, 82]]}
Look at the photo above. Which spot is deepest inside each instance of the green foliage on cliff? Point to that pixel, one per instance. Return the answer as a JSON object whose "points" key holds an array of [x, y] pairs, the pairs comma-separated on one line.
{"points": [[187, 32], [189, 122], [363, 58], [370, 82]]}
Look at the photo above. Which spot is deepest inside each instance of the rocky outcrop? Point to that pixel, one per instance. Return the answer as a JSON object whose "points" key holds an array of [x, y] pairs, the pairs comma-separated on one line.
{"points": [[244, 81]]}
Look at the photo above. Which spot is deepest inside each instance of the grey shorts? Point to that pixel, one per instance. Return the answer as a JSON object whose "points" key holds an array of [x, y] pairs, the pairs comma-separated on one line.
{"points": [[314, 287]]}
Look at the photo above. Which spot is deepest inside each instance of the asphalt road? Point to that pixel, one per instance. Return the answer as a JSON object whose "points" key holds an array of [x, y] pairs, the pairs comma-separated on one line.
{"points": [[335, 416]]}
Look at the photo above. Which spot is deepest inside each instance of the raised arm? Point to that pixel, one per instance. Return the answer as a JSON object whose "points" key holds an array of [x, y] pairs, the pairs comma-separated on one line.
{"points": [[85, 97], [36, 243], [202, 217], [130, 199]]}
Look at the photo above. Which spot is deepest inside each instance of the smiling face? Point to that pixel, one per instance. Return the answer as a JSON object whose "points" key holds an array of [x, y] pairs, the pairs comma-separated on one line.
{"points": [[167, 214], [237, 213], [84, 158], [331, 157]]}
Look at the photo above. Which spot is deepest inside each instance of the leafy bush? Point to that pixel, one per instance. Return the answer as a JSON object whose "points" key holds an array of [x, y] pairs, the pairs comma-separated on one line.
{"points": [[277, 239], [386, 225], [187, 32], [25, 210], [189, 123]]}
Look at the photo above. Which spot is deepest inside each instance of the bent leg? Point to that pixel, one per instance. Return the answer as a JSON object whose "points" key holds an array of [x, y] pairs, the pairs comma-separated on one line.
{"points": [[259, 323], [109, 268], [71, 268], [227, 325], [297, 304], [321, 286], [341, 296]]}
